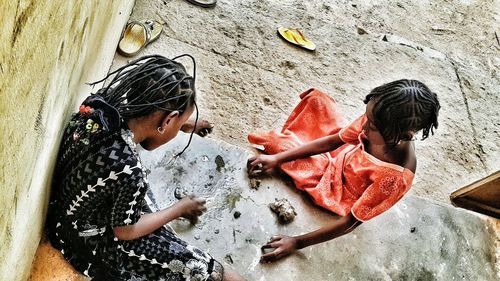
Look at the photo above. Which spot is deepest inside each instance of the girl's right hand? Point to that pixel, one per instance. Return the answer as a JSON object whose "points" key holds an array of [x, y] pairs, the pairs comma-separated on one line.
{"points": [[264, 163], [281, 246], [191, 207]]}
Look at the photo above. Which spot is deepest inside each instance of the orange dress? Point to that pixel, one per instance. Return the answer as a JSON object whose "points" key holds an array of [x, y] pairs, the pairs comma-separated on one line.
{"points": [[346, 180]]}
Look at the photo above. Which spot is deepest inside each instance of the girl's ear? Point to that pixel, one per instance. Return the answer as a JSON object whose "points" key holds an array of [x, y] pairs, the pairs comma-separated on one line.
{"points": [[169, 117], [409, 135]]}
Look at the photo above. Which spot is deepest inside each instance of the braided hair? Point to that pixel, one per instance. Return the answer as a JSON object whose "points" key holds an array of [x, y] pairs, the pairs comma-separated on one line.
{"points": [[402, 106], [148, 84]]}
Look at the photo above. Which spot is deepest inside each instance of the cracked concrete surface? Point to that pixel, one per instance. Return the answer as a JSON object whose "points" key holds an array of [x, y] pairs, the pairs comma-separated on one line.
{"points": [[426, 241]]}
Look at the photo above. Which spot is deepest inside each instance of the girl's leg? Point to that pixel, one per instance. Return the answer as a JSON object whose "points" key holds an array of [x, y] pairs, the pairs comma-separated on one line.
{"points": [[314, 117], [162, 254]]}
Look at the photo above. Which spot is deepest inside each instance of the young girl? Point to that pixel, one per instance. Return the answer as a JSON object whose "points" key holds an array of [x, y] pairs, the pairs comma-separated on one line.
{"points": [[358, 171], [98, 214]]}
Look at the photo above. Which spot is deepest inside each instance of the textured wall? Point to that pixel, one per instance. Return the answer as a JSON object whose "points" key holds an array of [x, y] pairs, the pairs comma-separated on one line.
{"points": [[48, 50]]}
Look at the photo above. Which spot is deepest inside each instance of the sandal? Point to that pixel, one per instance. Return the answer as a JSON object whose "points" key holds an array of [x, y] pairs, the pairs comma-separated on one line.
{"points": [[137, 35], [296, 37], [203, 3]]}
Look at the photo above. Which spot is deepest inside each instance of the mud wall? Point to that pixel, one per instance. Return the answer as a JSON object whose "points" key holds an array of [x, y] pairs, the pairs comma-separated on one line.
{"points": [[48, 50]]}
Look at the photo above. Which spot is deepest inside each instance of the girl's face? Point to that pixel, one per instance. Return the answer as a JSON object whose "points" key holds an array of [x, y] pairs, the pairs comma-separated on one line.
{"points": [[171, 124], [372, 134]]}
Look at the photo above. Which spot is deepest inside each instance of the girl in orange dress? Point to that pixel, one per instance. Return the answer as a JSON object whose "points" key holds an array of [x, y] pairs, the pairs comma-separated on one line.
{"points": [[357, 171]]}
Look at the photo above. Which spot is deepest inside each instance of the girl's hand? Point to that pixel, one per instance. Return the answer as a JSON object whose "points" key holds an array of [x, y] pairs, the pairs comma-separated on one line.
{"points": [[282, 245], [203, 127], [191, 207], [263, 163]]}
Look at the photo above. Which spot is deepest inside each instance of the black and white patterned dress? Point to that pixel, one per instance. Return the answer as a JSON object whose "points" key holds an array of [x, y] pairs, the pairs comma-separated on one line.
{"points": [[99, 183]]}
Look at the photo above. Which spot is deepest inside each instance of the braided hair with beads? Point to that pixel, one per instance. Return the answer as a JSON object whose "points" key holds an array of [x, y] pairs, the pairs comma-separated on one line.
{"points": [[148, 84]]}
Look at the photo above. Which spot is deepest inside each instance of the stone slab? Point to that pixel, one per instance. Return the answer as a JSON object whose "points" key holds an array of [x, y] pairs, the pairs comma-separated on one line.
{"points": [[415, 240]]}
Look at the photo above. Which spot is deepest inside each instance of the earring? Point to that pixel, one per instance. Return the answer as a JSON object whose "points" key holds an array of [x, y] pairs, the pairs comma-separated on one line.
{"points": [[161, 130]]}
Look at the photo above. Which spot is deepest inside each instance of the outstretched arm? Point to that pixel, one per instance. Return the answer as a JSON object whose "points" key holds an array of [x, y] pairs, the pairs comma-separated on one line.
{"points": [[285, 245], [189, 207], [338, 228], [318, 146]]}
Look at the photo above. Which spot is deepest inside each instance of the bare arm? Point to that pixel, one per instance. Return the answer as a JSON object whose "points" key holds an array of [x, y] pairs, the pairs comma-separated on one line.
{"points": [[285, 245], [336, 229], [190, 207], [318, 146]]}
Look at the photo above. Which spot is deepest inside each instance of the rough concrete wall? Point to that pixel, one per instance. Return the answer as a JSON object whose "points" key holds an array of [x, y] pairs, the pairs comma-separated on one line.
{"points": [[48, 49]]}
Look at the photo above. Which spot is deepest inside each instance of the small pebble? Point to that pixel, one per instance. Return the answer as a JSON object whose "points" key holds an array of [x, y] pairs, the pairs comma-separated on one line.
{"points": [[255, 183], [197, 237], [179, 193], [216, 231], [253, 174], [285, 211], [413, 229], [361, 31], [236, 214], [229, 259]]}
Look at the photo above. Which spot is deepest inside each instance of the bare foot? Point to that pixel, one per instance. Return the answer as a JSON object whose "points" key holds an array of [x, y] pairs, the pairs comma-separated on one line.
{"points": [[203, 128]]}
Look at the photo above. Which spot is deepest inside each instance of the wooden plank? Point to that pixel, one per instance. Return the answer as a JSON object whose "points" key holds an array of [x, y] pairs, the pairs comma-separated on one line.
{"points": [[482, 196]]}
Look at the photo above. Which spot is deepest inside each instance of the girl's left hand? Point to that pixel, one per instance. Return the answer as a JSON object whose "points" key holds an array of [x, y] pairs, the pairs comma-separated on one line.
{"points": [[282, 245]]}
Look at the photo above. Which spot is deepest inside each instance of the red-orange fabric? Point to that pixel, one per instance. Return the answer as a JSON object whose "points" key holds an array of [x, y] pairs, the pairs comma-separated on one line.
{"points": [[345, 180]]}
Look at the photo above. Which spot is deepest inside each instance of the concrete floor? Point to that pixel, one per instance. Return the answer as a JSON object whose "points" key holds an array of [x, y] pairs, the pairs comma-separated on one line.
{"points": [[248, 80], [415, 240]]}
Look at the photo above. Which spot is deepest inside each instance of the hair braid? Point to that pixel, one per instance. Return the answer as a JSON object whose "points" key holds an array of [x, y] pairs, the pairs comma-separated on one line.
{"points": [[148, 84], [402, 106]]}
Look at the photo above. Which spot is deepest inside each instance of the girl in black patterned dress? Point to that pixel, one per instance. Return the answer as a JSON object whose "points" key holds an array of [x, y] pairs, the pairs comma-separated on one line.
{"points": [[98, 214]]}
